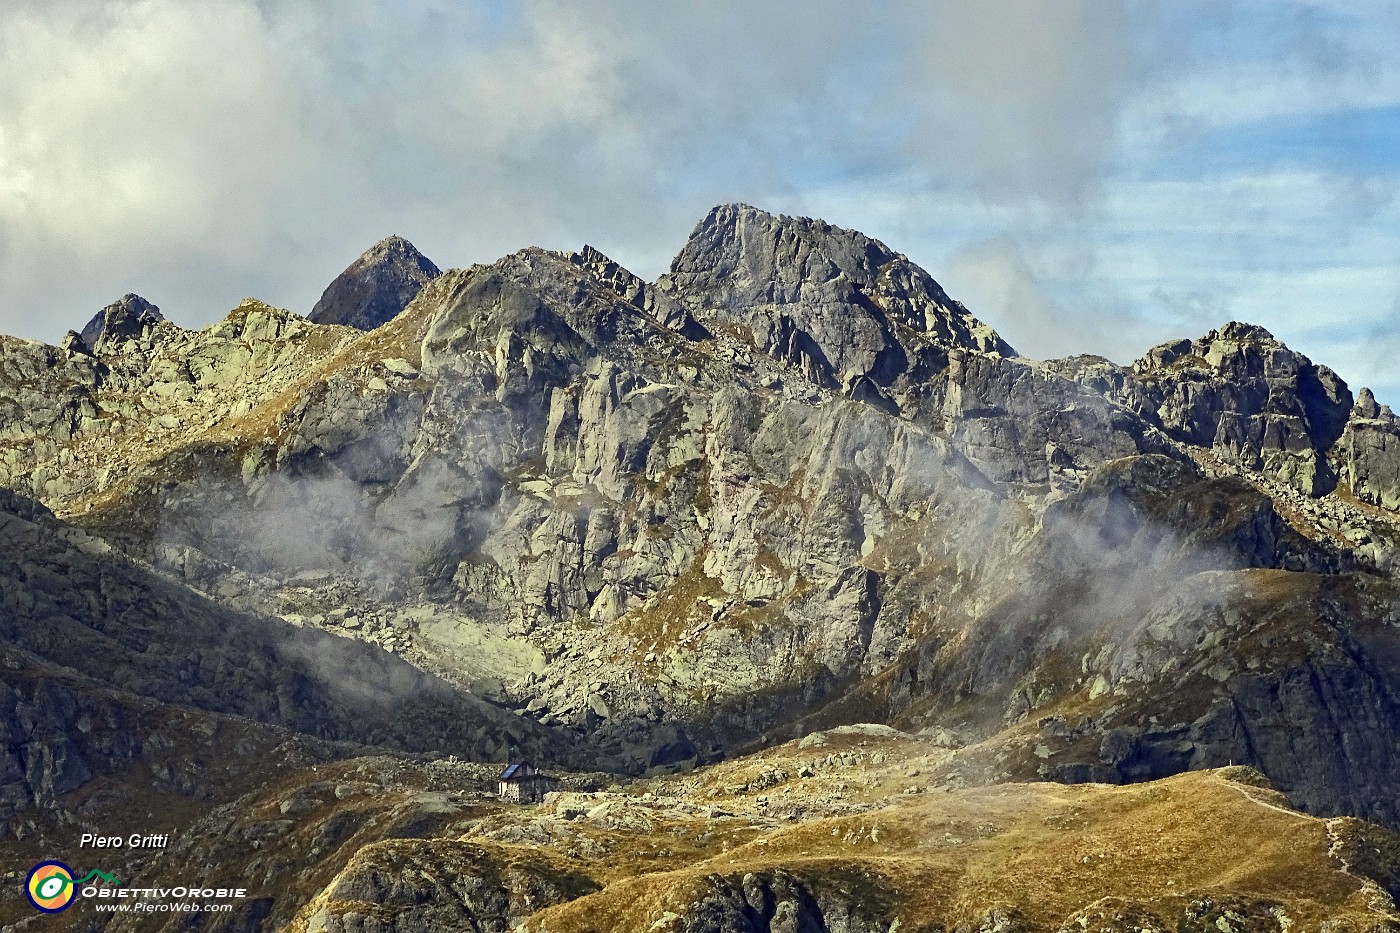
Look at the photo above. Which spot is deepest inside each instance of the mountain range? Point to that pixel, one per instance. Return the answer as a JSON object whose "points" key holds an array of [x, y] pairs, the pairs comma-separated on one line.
{"points": [[832, 612]]}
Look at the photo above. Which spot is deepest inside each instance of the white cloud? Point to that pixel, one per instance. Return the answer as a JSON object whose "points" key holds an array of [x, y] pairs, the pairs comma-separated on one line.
{"points": [[150, 139], [1026, 95], [1000, 282]]}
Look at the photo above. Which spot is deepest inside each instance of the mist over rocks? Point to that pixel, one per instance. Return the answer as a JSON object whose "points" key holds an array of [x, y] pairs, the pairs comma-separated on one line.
{"points": [[149, 636], [548, 508], [376, 287]]}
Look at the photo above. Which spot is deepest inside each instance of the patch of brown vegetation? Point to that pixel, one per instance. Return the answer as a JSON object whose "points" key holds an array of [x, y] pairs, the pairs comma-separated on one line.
{"points": [[1044, 850]]}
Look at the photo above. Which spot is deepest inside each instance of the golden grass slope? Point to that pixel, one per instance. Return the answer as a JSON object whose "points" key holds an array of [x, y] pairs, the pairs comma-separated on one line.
{"points": [[1203, 852], [1041, 853]]}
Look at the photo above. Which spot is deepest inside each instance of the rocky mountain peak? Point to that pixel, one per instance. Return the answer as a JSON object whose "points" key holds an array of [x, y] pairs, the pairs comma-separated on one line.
{"points": [[738, 237], [376, 287], [789, 498], [123, 319], [1244, 332], [840, 306], [1258, 403]]}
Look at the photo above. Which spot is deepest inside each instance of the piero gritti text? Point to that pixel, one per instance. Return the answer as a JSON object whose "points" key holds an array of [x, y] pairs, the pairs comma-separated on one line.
{"points": [[133, 841]]}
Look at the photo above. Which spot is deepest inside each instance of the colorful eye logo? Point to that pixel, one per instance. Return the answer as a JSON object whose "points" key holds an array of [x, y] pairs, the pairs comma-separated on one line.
{"points": [[50, 887]]}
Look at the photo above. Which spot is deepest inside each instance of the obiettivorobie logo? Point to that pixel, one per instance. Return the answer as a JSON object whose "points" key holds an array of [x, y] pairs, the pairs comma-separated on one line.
{"points": [[51, 886]]}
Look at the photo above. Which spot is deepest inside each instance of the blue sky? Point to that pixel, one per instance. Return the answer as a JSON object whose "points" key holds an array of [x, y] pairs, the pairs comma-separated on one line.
{"points": [[1086, 176]]}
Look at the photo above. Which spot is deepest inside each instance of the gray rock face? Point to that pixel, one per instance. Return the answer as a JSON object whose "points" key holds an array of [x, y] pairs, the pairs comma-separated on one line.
{"points": [[837, 310], [1323, 729], [375, 288], [1366, 406], [1251, 399], [1025, 424], [836, 304], [38, 759], [1370, 449], [123, 319]]}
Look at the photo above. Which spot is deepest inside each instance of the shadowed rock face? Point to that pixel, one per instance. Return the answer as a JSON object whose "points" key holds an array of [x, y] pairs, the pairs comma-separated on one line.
{"points": [[151, 637], [122, 319], [375, 288]]}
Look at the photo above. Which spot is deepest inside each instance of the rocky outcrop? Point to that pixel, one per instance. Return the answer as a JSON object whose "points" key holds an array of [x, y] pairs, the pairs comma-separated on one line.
{"points": [[375, 288], [1370, 453], [566, 458], [124, 319], [1025, 425], [423, 887], [842, 308], [767, 902], [1223, 645], [655, 302], [1252, 400]]}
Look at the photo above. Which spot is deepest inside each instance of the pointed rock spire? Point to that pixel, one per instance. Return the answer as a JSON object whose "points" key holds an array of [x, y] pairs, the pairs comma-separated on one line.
{"points": [[375, 288]]}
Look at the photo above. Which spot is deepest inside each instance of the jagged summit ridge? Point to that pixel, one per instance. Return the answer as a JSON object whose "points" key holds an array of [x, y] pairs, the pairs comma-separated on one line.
{"points": [[377, 286]]}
